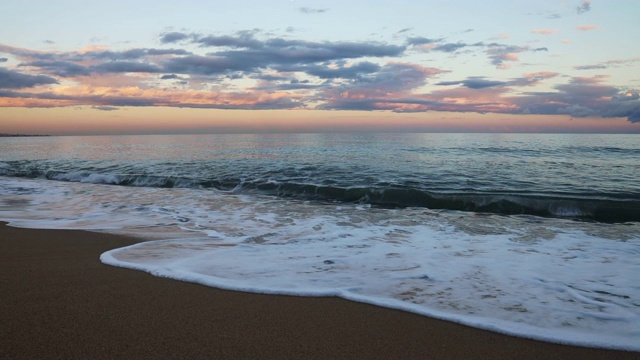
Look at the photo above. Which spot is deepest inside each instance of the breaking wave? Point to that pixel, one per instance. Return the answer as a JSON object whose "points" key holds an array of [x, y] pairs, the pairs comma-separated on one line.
{"points": [[590, 207]]}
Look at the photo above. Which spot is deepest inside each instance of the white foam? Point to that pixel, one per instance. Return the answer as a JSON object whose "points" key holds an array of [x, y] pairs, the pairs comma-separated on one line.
{"points": [[87, 177], [548, 279]]}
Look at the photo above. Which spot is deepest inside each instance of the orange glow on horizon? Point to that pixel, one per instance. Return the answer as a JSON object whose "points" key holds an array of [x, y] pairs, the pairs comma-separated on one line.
{"points": [[149, 120]]}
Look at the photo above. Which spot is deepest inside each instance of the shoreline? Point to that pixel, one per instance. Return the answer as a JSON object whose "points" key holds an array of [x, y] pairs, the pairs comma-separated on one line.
{"points": [[59, 301]]}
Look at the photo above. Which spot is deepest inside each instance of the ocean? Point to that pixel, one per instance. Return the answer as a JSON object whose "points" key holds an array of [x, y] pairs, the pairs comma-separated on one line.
{"points": [[533, 235]]}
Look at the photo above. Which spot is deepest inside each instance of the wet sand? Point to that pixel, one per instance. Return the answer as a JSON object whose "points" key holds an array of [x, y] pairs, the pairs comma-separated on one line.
{"points": [[59, 301]]}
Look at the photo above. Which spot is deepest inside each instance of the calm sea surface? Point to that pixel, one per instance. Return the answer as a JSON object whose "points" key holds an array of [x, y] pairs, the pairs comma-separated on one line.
{"points": [[531, 235]]}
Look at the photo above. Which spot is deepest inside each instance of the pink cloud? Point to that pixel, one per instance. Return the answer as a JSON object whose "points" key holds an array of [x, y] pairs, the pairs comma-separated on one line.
{"points": [[323, 75], [500, 36], [544, 31], [535, 78], [586, 27], [137, 96]]}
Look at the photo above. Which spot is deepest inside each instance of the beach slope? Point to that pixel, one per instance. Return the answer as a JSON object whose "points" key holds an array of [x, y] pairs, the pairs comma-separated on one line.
{"points": [[59, 301]]}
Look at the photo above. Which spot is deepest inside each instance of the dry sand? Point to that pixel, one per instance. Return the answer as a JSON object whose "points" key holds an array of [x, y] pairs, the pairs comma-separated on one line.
{"points": [[58, 301]]}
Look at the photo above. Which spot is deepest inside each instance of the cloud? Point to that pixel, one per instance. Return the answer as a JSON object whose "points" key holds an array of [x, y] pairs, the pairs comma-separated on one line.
{"points": [[292, 51], [271, 82], [280, 52], [151, 97], [590, 67], [337, 71], [534, 78], [544, 31], [243, 40], [390, 88], [271, 77], [126, 67], [577, 111], [582, 97], [238, 53], [292, 86], [206, 65], [450, 47], [105, 108], [586, 88], [416, 41], [307, 10], [52, 99], [631, 112], [71, 64], [244, 52], [583, 7], [479, 82], [473, 83], [500, 54], [395, 78], [173, 37], [4, 59], [60, 68], [628, 96], [587, 27], [253, 70], [608, 63], [623, 104], [621, 62], [131, 54], [15, 80], [500, 36]]}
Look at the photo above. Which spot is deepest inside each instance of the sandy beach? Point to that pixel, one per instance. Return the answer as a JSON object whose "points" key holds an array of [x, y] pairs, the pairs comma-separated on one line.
{"points": [[59, 301]]}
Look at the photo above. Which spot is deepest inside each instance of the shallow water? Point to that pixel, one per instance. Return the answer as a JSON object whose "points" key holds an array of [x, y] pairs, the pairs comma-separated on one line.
{"points": [[591, 177], [553, 277]]}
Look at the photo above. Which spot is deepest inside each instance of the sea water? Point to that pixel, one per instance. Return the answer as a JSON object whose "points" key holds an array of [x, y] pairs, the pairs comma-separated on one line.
{"points": [[531, 235]]}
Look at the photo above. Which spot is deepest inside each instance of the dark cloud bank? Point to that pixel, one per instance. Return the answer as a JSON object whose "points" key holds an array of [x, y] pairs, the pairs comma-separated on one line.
{"points": [[14, 80]]}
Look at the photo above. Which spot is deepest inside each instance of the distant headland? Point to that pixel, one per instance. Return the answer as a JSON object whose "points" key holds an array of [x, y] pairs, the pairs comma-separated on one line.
{"points": [[20, 135]]}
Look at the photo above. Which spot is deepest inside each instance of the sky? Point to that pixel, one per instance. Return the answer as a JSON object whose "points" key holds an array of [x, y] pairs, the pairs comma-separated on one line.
{"points": [[141, 66]]}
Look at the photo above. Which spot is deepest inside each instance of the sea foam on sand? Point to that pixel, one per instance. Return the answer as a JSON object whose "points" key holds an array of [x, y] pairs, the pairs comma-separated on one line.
{"points": [[548, 279]]}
